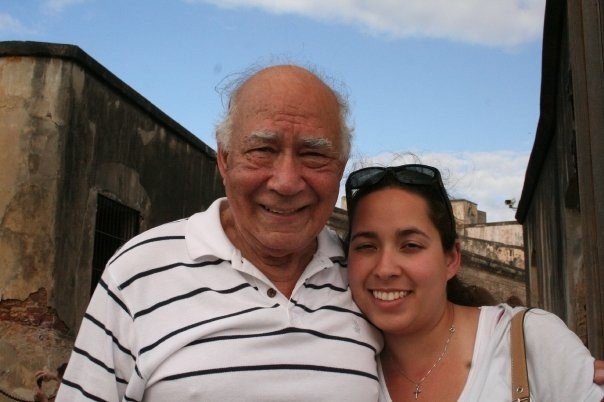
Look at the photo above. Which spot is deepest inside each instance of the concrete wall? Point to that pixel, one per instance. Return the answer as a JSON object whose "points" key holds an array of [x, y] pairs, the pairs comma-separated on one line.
{"points": [[503, 285], [32, 120], [467, 213], [70, 130], [504, 253], [509, 233], [492, 253]]}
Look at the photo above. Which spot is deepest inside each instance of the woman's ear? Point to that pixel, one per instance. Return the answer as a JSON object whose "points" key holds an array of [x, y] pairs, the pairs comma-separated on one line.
{"points": [[453, 259]]}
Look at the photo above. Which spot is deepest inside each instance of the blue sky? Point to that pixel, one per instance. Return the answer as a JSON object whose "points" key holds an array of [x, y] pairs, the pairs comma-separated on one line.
{"points": [[455, 83]]}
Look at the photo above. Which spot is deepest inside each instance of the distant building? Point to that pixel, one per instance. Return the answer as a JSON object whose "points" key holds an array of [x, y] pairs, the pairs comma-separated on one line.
{"points": [[86, 163], [467, 213], [492, 253], [562, 203]]}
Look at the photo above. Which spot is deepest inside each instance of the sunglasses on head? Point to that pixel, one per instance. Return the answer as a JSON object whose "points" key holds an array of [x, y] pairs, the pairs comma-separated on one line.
{"points": [[413, 174]]}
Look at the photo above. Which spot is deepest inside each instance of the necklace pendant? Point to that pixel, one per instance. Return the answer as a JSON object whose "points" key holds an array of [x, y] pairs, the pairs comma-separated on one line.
{"points": [[417, 391]]}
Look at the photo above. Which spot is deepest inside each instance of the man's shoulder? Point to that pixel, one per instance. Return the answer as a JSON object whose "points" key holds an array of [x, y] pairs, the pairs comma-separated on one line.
{"points": [[331, 245], [171, 231], [174, 229]]}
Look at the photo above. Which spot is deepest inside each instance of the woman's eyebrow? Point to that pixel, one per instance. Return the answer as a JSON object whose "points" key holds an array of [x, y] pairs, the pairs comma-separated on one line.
{"points": [[411, 231], [365, 234]]}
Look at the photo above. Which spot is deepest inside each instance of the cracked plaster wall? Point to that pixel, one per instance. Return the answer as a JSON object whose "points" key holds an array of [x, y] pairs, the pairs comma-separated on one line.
{"points": [[32, 122], [68, 132]]}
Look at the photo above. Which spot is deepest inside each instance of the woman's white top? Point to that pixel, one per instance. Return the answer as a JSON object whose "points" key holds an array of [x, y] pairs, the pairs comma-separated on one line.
{"points": [[560, 367]]}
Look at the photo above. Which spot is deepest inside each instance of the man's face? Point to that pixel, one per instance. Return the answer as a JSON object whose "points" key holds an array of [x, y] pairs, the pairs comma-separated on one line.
{"points": [[283, 167]]}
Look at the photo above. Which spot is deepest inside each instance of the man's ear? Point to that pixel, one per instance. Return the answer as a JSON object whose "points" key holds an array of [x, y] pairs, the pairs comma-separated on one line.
{"points": [[222, 161], [453, 259]]}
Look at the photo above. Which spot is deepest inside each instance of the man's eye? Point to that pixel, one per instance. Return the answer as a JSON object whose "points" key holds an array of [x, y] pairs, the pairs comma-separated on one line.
{"points": [[262, 150], [314, 154], [315, 159]]}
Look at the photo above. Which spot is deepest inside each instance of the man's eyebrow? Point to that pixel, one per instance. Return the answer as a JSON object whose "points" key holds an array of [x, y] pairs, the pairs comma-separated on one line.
{"points": [[265, 136], [262, 136], [318, 143]]}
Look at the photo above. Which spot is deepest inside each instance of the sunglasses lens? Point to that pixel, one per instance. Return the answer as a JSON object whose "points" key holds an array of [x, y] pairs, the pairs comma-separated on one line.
{"points": [[365, 177], [415, 175], [404, 174]]}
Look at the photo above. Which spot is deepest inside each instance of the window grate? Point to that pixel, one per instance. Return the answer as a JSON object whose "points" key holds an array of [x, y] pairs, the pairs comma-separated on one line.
{"points": [[115, 224]]}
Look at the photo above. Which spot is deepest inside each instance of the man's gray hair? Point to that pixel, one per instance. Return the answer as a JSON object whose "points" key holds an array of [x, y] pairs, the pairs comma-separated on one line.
{"points": [[224, 128]]}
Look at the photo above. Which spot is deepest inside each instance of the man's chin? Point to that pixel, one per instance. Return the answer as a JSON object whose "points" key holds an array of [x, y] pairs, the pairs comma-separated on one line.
{"points": [[287, 242]]}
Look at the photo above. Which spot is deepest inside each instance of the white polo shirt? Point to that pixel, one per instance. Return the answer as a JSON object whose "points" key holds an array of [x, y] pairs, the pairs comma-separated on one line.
{"points": [[179, 315]]}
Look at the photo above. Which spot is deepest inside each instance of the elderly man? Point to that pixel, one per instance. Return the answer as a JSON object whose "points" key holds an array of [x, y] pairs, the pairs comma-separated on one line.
{"points": [[249, 299]]}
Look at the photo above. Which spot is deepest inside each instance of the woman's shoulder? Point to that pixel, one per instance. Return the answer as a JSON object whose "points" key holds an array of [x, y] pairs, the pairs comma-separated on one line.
{"points": [[503, 314]]}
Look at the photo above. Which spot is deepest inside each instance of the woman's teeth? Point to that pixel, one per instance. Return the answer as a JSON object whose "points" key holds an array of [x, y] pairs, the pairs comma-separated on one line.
{"points": [[391, 295]]}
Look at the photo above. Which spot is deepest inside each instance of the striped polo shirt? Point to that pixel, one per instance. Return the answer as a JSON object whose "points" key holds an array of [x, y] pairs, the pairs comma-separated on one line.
{"points": [[180, 315]]}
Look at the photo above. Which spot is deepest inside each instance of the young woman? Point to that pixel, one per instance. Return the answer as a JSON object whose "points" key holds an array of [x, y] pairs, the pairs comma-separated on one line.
{"points": [[403, 259]]}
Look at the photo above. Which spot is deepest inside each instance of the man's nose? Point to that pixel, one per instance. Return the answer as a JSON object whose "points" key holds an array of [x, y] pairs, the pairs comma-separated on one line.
{"points": [[287, 176]]}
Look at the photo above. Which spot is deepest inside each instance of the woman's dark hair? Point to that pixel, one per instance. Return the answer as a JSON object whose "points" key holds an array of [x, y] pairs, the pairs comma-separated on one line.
{"points": [[438, 212]]}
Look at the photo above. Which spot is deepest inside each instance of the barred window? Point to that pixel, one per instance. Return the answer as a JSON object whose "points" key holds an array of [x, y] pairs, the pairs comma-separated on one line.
{"points": [[115, 225]]}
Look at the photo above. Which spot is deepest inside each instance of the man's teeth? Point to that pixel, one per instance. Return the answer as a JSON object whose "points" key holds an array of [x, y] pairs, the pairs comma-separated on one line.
{"points": [[388, 296], [282, 211]]}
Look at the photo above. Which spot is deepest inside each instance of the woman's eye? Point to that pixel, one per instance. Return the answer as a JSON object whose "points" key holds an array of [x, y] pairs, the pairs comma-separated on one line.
{"points": [[364, 246], [411, 246]]}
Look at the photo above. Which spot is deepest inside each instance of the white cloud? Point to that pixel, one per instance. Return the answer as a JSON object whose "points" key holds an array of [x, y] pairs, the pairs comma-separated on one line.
{"points": [[59, 5], [485, 178], [505, 23], [10, 24]]}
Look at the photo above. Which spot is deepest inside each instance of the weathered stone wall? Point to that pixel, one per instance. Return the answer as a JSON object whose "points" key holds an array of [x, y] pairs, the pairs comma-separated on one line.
{"points": [[502, 287], [493, 258], [31, 121], [70, 130], [465, 212], [32, 337], [509, 233], [511, 255]]}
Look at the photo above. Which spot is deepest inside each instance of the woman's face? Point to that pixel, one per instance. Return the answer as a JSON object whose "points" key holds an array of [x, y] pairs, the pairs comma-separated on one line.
{"points": [[397, 266]]}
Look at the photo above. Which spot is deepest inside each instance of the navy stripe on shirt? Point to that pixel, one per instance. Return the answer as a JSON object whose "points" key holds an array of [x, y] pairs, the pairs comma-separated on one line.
{"points": [[109, 333], [154, 239], [284, 331], [327, 307], [266, 367], [189, 295], [114, 297], [98, 363], [82, 390], [153, 271], [197, 324], [323, 286]]}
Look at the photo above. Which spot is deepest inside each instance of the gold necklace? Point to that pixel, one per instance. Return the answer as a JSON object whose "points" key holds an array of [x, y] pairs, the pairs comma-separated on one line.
{"points": [[418, 384]]}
